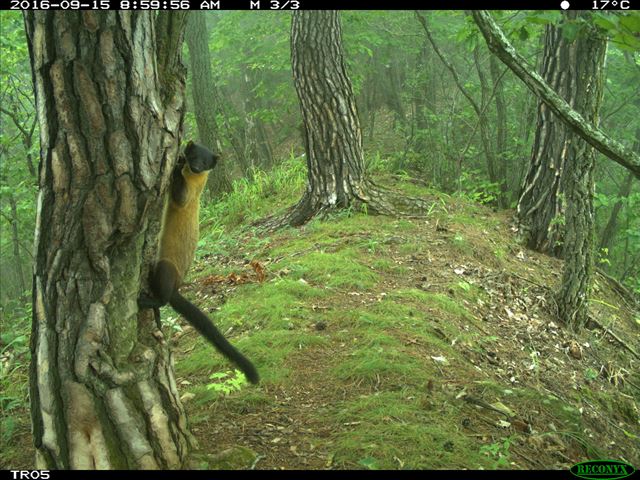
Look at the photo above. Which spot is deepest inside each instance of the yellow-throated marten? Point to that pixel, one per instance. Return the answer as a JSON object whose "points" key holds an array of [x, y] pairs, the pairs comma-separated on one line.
{"points": [[178, 240]]}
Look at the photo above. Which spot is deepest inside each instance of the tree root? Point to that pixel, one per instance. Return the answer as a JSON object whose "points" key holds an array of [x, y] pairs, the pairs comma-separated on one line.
{"points": [[370, 199]]}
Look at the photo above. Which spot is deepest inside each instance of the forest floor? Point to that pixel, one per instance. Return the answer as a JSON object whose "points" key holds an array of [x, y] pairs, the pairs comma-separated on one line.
{"points": [[388, 343], [411, 343]]}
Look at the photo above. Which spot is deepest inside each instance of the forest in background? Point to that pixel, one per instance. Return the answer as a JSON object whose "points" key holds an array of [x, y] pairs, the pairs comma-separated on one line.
{"points": [[435, 108], [415, 119]]}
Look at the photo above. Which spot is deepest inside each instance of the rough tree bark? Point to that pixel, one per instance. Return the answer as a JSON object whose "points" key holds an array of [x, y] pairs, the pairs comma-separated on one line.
{"points": [[204, 104], [331, 128], [102, 390], [590, 53], [565, 67]]}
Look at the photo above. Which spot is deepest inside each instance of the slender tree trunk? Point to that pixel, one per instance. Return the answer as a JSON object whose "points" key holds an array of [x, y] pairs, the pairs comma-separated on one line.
{"points": [[331, 128], [625, 190], [102, 391], [606, 239], [234, 135], [204, 104], [501, 130], [495, 175], [422, 99], [257, 141], [425, 109], [486, 132], [527, 125], [393, 76], [15, 237], [368, 105]]}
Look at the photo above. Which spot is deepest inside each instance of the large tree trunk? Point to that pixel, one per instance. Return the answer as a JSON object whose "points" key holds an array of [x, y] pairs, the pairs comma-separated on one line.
{"points": [[204, 104], [102, 389], [331, 128], [578, 249], [542, 198], [541, 206], [555, 210]]}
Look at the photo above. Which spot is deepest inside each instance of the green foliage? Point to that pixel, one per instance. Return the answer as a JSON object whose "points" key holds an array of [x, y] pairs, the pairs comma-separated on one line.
{"points": [[227, 383], [18, 140], [590, 374], [246, 202], [476, 187], [622, 28], [15, 321], [603, 255], [499, 451]]}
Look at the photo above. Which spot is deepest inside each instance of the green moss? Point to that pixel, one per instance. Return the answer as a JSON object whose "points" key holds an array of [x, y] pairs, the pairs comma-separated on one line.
{"points": [[384, 265], [275, 304], [334, 270], [393, 430], [435, 300], [375, 356]]}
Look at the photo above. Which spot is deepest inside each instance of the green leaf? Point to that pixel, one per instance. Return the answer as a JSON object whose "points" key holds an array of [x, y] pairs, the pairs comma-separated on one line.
{"points": [[626, 42], [570, 31], [604, 22], [631, 22], [544, 18], [370, 463]]}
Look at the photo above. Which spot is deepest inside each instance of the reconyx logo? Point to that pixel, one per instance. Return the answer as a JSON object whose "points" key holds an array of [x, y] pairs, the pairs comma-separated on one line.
{"points": [[602, 469]]}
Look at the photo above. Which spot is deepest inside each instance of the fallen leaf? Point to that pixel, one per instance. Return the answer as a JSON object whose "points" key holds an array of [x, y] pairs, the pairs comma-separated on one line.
{"points": [[186, 397], [259, 269]]}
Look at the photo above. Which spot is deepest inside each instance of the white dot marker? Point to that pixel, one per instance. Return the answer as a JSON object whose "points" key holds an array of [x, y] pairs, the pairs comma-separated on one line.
{"points": [[564, 4]]}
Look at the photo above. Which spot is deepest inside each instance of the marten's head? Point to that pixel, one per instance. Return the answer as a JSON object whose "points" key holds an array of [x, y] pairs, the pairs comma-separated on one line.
{"points": [[199, 158]]}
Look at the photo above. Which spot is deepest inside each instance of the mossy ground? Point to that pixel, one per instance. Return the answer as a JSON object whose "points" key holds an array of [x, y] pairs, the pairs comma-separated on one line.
{"points": [[375, 337], [397, 343]]}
